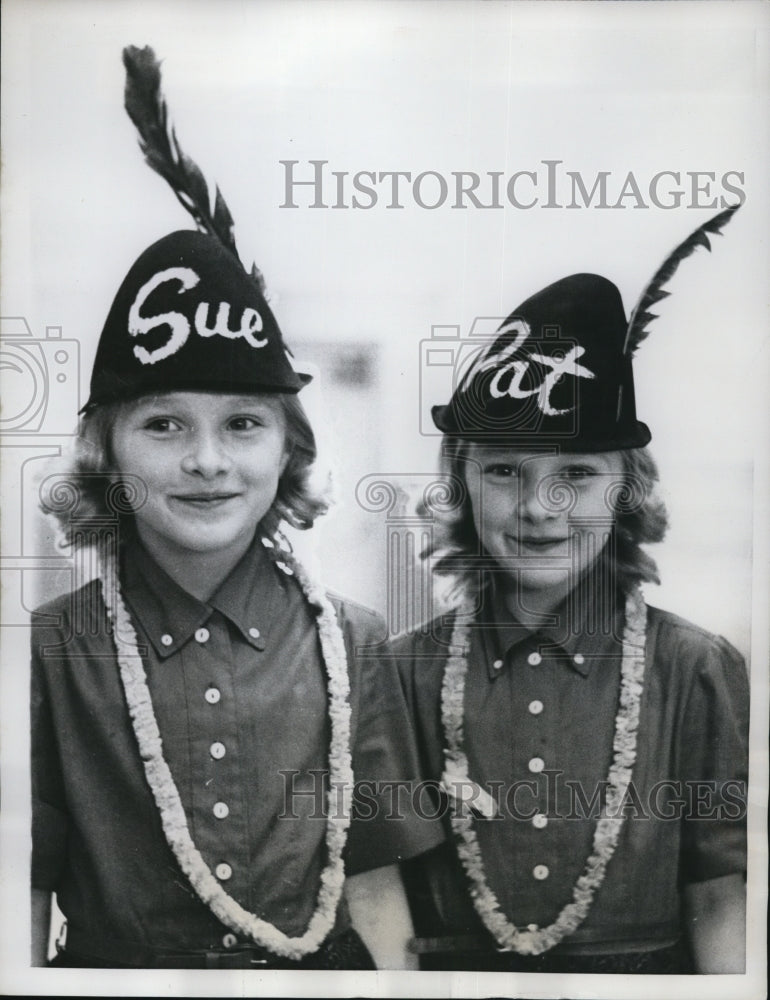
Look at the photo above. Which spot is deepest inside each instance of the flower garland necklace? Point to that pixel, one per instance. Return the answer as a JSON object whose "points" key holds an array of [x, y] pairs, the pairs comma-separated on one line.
{"points": [[536, 940], [166, 794]]}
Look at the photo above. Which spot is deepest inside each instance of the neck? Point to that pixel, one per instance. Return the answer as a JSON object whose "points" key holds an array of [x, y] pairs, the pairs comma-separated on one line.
{"points": [[199, 573], [528, 606]]}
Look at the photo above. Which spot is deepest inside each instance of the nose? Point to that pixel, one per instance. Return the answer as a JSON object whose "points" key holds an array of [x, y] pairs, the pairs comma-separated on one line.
{"points": [[205, 456], [533, 503]]}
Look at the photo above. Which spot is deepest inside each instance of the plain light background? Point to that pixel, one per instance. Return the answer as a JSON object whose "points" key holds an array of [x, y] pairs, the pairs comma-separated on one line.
{"points": [[420, 86]]}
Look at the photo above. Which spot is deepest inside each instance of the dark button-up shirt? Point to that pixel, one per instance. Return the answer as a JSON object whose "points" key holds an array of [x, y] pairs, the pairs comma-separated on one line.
{"points": [[539, 720], [239, 692]]}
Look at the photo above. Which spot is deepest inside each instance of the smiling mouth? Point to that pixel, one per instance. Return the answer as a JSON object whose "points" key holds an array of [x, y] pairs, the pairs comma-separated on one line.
{"points": [[539, 543], [204, 500]]}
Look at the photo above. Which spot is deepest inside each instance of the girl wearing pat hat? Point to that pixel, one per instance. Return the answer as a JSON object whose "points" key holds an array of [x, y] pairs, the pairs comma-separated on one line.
{"points": [[590, 751], [200, 707]]}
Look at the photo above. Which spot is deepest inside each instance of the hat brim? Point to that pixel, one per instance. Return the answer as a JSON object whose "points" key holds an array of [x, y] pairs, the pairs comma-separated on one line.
{"points": [[637, 435], [125, 393]]}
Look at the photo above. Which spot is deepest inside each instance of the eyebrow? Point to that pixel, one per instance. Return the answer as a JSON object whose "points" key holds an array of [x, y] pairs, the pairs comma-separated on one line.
{"points": [[169, 400], [596, 461]]}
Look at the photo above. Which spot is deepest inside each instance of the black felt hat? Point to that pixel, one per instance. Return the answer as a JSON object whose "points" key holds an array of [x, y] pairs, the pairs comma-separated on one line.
{"points": [[559, 371], [187, 316], [556, 373]]}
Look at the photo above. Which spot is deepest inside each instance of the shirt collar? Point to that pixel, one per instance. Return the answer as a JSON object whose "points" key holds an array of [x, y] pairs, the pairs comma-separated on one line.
{"points": [[248, 596], [170, 616], [573, 629]]}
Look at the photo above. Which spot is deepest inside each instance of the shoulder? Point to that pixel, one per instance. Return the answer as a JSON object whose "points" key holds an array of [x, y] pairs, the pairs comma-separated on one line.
{"points": [[431, 639], [58, 611], [420, 655], [699, 657], [686, 637], [68, 628], [352, 612], [357, 618]]}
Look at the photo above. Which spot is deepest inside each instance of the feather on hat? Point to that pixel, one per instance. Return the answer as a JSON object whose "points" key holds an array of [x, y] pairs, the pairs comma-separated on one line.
{"points": [[559, 370], [188, 315]]}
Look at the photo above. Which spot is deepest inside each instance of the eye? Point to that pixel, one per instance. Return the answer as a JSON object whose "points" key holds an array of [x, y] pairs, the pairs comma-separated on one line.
{"points": [[576, 473], [244, 423], [501, 470], [162, 425]]}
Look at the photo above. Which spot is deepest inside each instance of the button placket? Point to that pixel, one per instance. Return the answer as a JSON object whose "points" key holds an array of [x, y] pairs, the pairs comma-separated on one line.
{"points": [[536, 729], [219, 832]]}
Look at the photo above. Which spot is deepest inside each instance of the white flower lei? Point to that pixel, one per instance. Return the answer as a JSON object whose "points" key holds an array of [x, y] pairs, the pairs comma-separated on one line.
{"points": [[508, 936], [166, 794]]}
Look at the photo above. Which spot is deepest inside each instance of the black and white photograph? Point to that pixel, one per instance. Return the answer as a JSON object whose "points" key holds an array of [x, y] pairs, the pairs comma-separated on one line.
{"points": [[385, 483]]}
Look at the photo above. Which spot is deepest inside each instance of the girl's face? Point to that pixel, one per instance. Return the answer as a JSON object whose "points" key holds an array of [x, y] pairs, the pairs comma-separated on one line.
{"points": [[528, 509], [211, 464]]}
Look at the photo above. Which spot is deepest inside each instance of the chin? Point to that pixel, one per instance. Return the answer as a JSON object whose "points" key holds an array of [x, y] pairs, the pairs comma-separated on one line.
{"points": [[212, 538], [533, 580]]}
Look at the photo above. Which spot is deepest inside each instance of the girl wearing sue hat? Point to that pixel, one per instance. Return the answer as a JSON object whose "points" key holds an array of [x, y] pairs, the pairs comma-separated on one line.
{"points": [[200, 707], [590, 751]]}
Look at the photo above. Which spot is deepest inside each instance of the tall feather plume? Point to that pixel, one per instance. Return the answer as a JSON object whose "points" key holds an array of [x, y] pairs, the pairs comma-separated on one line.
{"points": [[146, 107], [654, 292]]}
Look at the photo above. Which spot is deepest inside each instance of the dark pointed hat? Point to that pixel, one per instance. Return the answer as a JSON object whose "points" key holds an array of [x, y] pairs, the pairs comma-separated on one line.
{"points": [[559, 370], [188, 317]]}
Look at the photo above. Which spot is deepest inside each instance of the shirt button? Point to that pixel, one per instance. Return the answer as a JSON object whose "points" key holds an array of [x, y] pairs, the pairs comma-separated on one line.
{"points": [[221, 810], [540, 872], [223, 872], [498, 665], [535, 707], [539, 821], [202, 635], [579, 658], [229, 940], [534, 659], [254, 633], [217, 750], [536, 765], [533, 928], [212, 695], [166, 639]]}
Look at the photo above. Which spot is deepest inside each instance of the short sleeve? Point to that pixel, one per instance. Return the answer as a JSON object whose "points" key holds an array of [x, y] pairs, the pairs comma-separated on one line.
{"points": [[388, 824], [714, 763], [49, 816]]}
